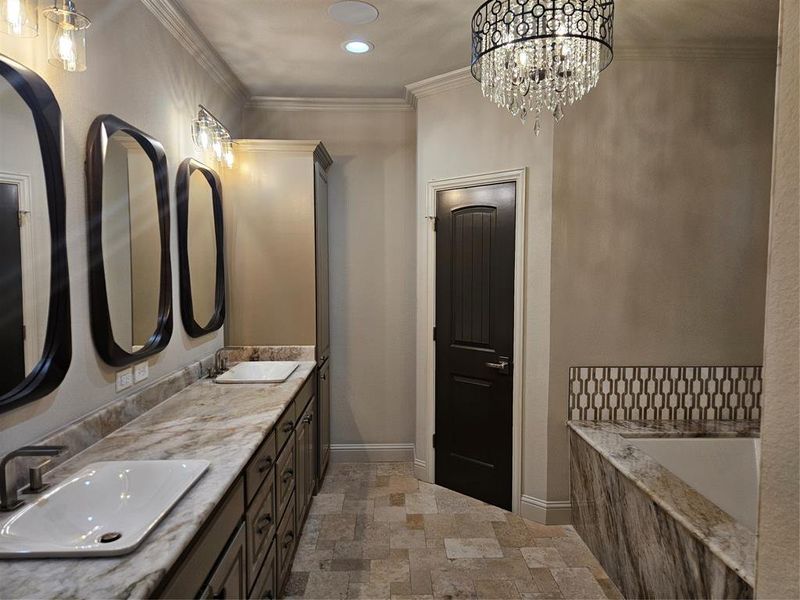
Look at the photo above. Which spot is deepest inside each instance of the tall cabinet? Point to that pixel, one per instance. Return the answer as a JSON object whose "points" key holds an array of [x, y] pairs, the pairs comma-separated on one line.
{"points": [[277, 248]]}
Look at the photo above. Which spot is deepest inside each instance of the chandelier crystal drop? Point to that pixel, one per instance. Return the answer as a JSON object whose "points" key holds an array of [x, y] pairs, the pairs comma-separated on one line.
{"points": [[532, 56]]}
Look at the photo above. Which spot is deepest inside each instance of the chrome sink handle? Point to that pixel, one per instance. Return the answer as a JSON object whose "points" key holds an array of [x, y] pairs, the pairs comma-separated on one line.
{"points": [[8, 489]]}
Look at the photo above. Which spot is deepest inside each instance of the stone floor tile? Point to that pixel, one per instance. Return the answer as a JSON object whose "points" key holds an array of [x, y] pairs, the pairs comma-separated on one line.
{"points": [[400, 588], [420, 582], [325, 544], [407, 538], [376, 550], [415, 521], [472, 548], [349, 564], [359, 576], [428, 559], [358, 506], [496, 589], [348, 549], [389, 570], [544, 581], [543, 558], [398, 554], [296, 584], [421, 503], [577, 582], [397, 499], [575, 553], [339, 527], [452, 584], [369, 590], [327, 585], [545, 531], [389, 513], [609, 589], [324, 504], [310, 560], [513, 535]]}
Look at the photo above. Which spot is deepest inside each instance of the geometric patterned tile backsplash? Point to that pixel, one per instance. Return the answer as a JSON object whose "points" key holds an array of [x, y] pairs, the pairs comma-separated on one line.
{"points": [[664, 393]]}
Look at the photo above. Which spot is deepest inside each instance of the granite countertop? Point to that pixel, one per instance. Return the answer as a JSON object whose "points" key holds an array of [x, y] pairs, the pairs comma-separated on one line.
{"points": [[223, 424], [729, 540]]}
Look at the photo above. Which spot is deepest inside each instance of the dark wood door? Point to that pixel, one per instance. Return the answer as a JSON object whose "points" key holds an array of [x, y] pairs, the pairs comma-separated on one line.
{"points": [[475, 340], [12, 338]]}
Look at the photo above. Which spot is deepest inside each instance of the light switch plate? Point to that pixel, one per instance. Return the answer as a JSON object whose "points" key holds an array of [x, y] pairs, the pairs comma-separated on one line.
{"points": [[141, 372], [124, 379]]}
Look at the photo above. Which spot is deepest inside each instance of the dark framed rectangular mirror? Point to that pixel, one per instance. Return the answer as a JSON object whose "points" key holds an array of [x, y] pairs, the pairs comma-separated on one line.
{"points": [[130, 274], [200, 248], [35, 335]]}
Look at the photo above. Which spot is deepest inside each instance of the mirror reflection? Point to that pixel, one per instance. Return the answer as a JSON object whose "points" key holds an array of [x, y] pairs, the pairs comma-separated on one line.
{"points": [[24, 242], [131, 242], [202, 247]]}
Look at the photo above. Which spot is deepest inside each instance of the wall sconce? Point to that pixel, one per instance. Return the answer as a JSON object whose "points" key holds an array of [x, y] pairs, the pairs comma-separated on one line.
{"points": [[66, 36], [19, 18], [209, 133]]}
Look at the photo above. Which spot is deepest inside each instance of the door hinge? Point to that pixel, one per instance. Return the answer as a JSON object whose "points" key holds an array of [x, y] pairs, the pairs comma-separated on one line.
{"points": [[434, 334], [436, 223]]}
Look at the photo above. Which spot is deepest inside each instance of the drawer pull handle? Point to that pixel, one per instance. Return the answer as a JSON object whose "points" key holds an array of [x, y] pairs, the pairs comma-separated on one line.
{"points": [[289, 537], [264, 464], [307, 420], [288, 426], [287, 475], [262, 525], [221, 595], [324, 377]]}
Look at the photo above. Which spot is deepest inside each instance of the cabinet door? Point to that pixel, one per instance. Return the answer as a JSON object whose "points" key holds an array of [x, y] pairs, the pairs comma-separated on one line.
{"points": [[301, 436], [310, 421], [324, 420], [323, 276], [228, 579]]}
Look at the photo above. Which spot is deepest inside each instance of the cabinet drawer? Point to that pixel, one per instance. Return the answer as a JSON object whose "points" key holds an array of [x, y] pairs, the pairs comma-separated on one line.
{"points": [[285, 475], [265, 585], [259, 466], [285, 426], [192, 569], [285, 543], [228, 579], [261, 523]]}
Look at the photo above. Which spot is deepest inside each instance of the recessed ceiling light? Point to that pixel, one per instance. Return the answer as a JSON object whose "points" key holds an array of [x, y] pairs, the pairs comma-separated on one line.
{"points": [[353, 12], [357, 46]]}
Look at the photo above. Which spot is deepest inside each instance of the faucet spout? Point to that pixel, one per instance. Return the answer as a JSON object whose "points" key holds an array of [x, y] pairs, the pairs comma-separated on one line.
{"points": [[8, 488]]}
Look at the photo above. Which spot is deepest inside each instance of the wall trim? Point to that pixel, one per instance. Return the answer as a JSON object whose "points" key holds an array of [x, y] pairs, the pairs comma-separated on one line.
{"points": [[257, 145], [277, 103], [549, 512], [426, 319], [438, 84], [691, 53], [174, 18], [400, 452]]}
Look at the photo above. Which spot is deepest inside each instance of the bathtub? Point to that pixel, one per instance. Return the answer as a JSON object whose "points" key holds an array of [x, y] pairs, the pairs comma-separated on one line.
{"points": [[668, 508], [724, 470]]}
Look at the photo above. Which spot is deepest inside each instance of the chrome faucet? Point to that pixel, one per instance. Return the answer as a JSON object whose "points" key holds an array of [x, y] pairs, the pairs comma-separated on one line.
{"points": [[8, 484]]}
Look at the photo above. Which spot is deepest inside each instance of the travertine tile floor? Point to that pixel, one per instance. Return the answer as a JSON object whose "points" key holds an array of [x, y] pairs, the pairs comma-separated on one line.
{"points": [[376, 532]]}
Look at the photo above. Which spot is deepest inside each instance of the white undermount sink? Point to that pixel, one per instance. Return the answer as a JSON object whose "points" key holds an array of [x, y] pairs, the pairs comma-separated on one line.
{"points": [[106, 509], [259, 372]]}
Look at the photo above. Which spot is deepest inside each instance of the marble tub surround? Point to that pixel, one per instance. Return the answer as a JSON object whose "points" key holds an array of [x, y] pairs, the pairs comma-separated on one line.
{"points": [[80, 434], [230, 355], [221, 424], [654, 534], [375, 531]]}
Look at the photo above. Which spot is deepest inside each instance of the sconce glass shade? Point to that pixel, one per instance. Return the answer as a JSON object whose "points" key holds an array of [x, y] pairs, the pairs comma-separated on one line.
{"points": [[202, 132], [19, 18], [228, 154], [66, 37], [209, 135]]}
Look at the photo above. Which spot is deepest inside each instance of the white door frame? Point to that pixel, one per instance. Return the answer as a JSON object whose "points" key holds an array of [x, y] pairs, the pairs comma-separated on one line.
{"points": [[32, 347], [426, 365]]}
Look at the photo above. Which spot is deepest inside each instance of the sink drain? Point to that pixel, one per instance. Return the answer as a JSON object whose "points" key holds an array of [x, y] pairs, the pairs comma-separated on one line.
{"points": [[111, 536]]}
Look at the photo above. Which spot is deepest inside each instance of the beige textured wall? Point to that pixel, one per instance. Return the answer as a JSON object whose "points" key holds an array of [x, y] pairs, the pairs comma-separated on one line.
{"points": [[269, 249], [372, 241], [660, 218], [460, 133], [139, 72], [778, 564]]}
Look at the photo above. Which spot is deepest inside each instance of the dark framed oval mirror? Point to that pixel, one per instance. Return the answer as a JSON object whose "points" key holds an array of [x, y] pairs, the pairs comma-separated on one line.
{"points": [[201, 248], [130, 274], [35, 336]]}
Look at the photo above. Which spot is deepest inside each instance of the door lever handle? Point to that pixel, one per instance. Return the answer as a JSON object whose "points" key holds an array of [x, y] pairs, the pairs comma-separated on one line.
{"points": [[503, 365]]}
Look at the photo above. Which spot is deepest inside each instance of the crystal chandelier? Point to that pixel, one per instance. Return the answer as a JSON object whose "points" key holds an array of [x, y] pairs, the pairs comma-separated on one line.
{"points": [[540, 55]]}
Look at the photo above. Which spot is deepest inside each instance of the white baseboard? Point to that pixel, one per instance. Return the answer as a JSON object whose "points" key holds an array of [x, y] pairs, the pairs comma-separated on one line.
{"points": [[548, 512], [372, 452], [421, 470]]}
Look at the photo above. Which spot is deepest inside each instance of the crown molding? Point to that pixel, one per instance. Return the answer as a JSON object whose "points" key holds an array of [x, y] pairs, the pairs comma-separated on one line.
{"points": [[328, 104], [690, 53], [438, 84], [263, 145], [177, 22]]}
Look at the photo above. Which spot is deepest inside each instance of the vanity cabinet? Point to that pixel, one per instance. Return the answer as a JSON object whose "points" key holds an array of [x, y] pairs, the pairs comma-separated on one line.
{"points": [[277, 231], [246, 547]]}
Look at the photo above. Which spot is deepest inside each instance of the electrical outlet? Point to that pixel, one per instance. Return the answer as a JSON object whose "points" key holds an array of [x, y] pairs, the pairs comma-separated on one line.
{"points": [[124, 379], [141, 372]]}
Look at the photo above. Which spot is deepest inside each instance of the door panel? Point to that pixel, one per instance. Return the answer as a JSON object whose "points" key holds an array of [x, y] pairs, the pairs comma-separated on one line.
{"points": [[11, 315], [474, 338]]}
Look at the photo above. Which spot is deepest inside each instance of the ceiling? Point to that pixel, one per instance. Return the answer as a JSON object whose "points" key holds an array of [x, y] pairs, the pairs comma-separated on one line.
{"points": [[292, 48]]}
